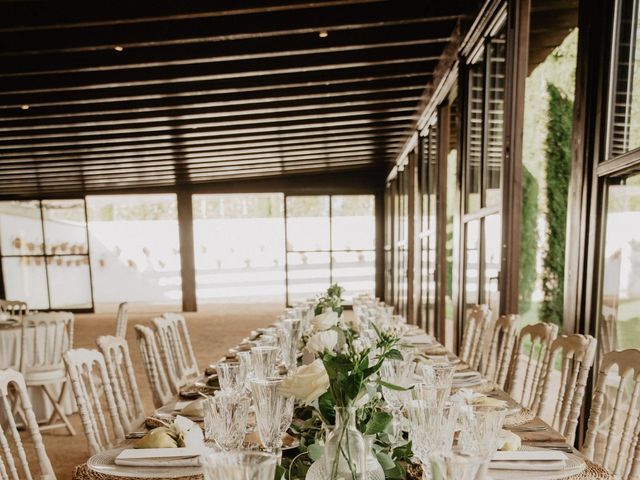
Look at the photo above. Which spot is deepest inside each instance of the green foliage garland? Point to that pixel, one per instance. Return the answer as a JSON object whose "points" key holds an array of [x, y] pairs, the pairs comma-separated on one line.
{"points": [[528, 239]]}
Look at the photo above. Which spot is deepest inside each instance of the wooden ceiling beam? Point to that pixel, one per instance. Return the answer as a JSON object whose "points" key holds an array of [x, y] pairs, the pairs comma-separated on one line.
{"points": [[175, 129]]}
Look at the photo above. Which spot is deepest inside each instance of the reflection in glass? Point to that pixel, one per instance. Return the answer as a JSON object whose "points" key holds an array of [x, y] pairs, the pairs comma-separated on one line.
{"points": [[69, 270], [25, 279], [495, 121], [472, 264], [20, 228], [135, 251], [308, 223], [353, 222], [474, 139], [307, 274], [620, 296], [64, 227], [239, 247], [492, 253], [625, 129]]}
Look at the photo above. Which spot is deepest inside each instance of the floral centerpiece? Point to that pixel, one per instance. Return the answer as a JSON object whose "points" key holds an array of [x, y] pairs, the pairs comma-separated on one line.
{"points": [[341, 385]]}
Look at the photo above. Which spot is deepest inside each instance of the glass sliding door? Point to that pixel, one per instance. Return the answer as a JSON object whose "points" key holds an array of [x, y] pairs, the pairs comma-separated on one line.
{"points": [[329, 239], [239, 248], [44, 249], [482, 189]]}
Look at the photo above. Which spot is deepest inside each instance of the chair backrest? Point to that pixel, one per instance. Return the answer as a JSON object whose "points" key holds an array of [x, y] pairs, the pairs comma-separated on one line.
{"points": [[15, 465], [528, 362], [161, 388], [496, 363], [45, 338], [564, 394], [15, 308], [473, 337], [85, 368], [122, 318], [608, 334], [612, 436], [175, 347], [115, 351]]}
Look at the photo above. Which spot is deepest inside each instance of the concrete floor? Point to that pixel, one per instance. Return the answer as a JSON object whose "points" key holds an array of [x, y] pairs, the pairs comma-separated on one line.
{"points": [[212, 333]]}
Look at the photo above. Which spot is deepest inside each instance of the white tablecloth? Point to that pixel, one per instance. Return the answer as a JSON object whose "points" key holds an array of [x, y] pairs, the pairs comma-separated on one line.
{"points": [[10, 345]]}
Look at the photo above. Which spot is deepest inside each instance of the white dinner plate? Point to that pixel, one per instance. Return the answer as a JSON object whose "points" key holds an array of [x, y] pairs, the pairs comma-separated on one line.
{"points": [[573, 466], [105, 463]]}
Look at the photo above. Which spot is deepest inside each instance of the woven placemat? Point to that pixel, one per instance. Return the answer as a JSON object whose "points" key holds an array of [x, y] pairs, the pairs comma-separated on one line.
{"points": [[83, 472], [593, 472], [520, 418]]}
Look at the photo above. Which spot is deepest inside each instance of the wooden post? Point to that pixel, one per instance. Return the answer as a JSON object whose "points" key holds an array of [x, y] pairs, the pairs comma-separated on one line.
{"points": [[187, 257]]}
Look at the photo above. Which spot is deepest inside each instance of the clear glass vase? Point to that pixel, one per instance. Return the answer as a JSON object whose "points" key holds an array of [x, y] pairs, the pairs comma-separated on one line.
{"points": [[345, 451]]}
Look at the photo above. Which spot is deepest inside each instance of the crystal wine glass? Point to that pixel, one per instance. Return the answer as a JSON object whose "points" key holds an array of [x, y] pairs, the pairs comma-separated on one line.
{"points": [[239, 465], [225, 419]]}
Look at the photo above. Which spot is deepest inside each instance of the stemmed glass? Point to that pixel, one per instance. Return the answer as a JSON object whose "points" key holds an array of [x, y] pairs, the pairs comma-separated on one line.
{"points": [[232, 376], [264, 361], [437, 379], [480, 432], [432, 429], [225, 419], [453, 465], [238, 465], [293, 331], [400, 374], [273, 411]]}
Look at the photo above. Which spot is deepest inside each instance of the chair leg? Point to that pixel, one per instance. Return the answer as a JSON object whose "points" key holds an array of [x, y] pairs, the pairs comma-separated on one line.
{"points": [[57, 410]]}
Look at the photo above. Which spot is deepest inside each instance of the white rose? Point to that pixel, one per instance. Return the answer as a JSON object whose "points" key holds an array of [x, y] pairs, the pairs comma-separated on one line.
{"points": [[325, 321], [307, 383], [322, 341]]}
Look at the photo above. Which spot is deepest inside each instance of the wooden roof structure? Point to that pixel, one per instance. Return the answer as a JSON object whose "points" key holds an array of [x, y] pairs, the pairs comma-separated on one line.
{"points": [[117, 95]]}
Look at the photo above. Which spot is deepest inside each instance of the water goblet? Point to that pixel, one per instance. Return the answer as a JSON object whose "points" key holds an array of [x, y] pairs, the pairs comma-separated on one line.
{"points": [[231, 376], [453, 465], [480, 431], [225, 419], [437, 379], [270, 407], [264, 361], [238, 465]]}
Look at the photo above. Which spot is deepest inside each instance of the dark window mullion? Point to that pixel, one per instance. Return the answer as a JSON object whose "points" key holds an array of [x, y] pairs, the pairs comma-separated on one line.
{"points": [[44, 255]]}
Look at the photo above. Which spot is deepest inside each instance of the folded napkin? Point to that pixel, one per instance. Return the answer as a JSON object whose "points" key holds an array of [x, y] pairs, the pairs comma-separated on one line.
{"points": [[541, 436], [192, 409], [540, 460], [469, 397], [419, 339], [160, 457], [509, 441]]}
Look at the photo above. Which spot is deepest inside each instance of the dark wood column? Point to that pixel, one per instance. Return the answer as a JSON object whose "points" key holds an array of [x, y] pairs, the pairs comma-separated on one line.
{"points": [[441, 220], [518, 15], [187, 257], [380, 250]]}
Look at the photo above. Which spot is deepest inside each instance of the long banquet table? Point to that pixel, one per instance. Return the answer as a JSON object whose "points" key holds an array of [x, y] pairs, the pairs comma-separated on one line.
{"points": [[540, 434]]}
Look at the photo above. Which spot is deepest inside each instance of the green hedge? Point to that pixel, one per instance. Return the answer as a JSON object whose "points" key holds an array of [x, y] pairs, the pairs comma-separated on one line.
{"points": [[528, 239], [558, 153]]}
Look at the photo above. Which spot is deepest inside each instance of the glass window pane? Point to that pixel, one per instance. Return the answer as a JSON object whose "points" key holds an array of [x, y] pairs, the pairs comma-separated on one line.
{"points": [[356, 272], [492, 257], [239, 247], [308, 223], [64, 227], [472, 263], [25, 279], [474, 139], [135, 251], [353, 224], [20, 228], [495, 121], [620, 300], [625, 130], [69, 270], [308, 274]]}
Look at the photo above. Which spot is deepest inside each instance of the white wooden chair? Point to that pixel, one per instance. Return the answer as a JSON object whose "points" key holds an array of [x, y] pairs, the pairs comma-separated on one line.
{"points": [[122, 318], [15, 308], [45, 338], [115, 351], [15, 465], [564, 395], [614, 443], [86, 368], [528, 362], [496, 362], [175, 347], [161, 388], [474, 336]]}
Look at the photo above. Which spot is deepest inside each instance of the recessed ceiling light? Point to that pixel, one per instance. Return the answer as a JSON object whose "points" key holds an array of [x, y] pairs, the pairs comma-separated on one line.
{"points": [[118, 48], [323, 34], [24, 107]]}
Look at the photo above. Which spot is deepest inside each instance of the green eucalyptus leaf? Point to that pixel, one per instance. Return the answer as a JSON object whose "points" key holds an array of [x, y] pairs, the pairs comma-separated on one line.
{"points": [[385, 460], [395, 473], [403, 452], [315, 451], [326, 405], [378, 422], [279, 474], [392, 386], [394, 354]]}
